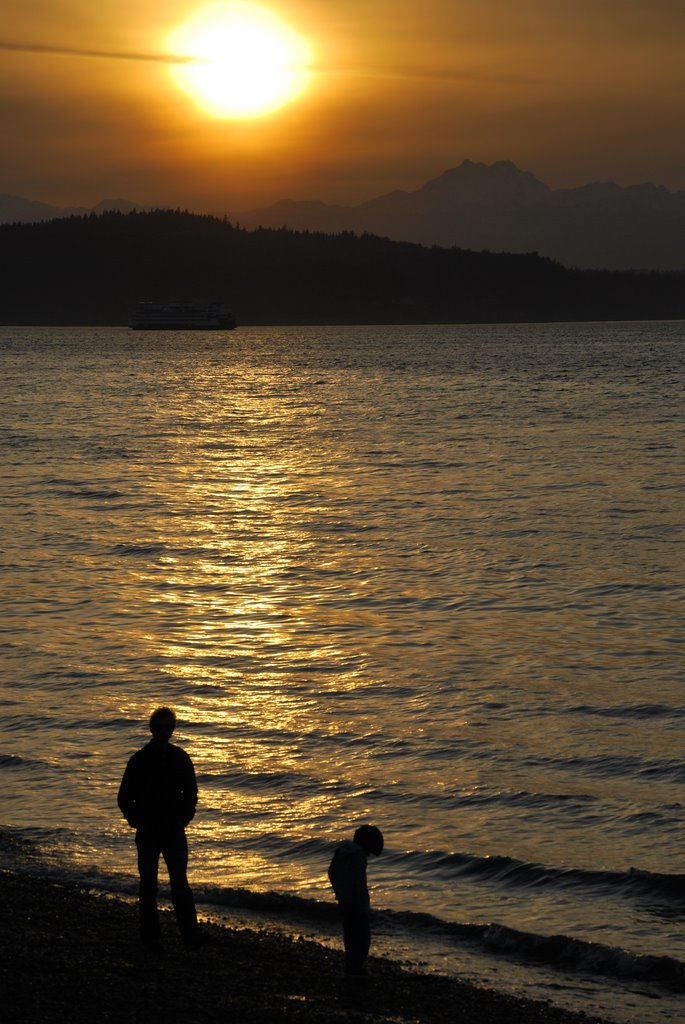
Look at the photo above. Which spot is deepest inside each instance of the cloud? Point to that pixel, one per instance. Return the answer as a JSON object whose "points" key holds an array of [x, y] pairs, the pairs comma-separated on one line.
{"points": [[77, 51]]}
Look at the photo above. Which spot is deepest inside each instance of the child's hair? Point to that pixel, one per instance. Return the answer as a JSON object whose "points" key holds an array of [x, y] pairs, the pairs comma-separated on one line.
{"points": [[370, 838]]}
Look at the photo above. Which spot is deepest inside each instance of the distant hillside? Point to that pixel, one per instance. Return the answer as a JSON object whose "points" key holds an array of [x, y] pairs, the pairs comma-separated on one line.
{"points": [[94, 269], [504, 209], [14, 209]]}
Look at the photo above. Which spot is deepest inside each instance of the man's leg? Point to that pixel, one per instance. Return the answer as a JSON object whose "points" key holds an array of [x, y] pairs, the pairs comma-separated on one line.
{"points": [[148, 846], [356, 936], [175, 853]]}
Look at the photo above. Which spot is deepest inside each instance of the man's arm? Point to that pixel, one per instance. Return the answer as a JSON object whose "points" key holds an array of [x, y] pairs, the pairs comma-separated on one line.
{"points": [[189, 790], [126, 798]]}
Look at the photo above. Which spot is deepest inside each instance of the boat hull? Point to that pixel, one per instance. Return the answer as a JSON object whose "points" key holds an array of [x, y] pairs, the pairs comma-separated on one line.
{"points": [[182, 316]]}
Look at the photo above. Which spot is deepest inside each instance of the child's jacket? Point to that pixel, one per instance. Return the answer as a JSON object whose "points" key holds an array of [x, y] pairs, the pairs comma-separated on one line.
{"points": [[347, 874]]}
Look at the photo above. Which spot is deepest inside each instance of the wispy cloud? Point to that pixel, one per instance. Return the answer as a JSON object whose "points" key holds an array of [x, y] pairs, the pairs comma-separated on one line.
{"points": [[75, 51], [358, 70]]}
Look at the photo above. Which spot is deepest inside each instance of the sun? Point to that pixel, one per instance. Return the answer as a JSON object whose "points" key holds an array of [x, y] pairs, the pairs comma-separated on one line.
{"points": [[244, 62]]}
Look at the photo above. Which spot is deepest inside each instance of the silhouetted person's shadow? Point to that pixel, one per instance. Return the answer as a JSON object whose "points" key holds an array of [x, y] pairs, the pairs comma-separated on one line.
{"points": [[158, 796]]}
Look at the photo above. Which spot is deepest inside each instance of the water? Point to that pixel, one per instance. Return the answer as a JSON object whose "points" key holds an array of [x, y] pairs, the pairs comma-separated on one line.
{"points": [[429, 577]]}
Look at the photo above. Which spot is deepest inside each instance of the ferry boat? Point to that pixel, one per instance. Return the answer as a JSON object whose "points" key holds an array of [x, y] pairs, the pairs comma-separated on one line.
{"points": [[182, 316]]}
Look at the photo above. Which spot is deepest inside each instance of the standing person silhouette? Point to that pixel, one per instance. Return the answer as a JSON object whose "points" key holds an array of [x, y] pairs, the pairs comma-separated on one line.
{"points": [[158, 796], [347, 875]]}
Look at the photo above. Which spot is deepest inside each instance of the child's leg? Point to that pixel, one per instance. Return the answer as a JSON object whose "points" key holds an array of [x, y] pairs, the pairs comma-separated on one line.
{"points": [[356, 936]]}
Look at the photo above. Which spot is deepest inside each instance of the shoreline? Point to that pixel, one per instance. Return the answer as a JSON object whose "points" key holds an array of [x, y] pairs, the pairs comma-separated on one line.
{"points": [[67, 953]]}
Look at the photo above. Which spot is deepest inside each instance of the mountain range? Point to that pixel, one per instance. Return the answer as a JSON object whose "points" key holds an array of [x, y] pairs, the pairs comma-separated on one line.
{"points": [[496, 207], [501, 208]]}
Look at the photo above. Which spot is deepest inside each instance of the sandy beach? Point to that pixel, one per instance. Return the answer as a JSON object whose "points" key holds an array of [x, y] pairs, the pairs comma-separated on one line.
{"points": [[72, 955]]}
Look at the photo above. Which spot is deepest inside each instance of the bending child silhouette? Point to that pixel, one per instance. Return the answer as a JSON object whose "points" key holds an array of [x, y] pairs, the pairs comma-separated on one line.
{"points": [[158, 796], [347, 875]]}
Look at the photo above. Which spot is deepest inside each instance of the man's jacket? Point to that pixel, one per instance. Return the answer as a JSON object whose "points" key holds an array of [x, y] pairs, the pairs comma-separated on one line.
{"points": [[158, 789]]}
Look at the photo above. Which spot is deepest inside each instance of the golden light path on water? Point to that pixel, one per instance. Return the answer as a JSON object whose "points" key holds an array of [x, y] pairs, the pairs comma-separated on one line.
{"points": [[246, 601]]}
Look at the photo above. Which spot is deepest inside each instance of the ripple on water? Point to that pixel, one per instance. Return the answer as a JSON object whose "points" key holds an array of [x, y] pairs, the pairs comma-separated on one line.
{"points": [[424, 575]]}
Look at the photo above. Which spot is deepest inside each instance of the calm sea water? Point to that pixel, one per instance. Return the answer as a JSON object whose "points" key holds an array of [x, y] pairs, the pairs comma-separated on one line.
{"points": [[429, 577]]}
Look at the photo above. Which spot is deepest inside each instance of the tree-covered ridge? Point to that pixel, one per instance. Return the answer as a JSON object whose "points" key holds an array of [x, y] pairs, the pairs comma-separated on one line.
{"points": [[94, 269]]}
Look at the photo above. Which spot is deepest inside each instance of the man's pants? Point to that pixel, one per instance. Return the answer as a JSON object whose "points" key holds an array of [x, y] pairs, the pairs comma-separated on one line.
{"points": [[356, 936], [171, 843]]}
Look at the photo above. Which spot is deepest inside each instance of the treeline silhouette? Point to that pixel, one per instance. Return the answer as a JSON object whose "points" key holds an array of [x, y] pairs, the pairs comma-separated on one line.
{"points": [[94, 269]]}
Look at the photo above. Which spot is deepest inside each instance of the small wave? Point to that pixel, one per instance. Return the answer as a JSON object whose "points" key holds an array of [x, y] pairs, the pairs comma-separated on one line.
{"points": [[12, 761], [614, 765], [638, 711], [589, 957], [509, 872], [138, 549], [72, 674], [99, 494], [605, 589], [101, 452], [269, 781], [37, 767], [270, 902], [485, 798]]}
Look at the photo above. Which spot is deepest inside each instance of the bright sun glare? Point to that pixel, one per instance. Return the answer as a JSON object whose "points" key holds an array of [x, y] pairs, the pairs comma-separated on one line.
{"points": [[248, 61]]}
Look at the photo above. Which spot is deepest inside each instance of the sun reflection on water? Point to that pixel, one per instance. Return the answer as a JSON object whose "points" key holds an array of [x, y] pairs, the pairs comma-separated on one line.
{"points": [[251, 619]]}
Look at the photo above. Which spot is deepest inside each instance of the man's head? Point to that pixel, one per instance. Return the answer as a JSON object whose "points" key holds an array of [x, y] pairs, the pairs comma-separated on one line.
{"points": [[162, 723], [370, 839]]}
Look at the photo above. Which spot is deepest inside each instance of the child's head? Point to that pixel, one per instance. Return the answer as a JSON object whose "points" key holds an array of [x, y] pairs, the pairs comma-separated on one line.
{"points": [[370, 839]]}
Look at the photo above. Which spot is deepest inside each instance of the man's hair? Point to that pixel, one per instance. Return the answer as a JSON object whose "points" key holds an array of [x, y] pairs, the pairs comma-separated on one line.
{"points": [[163, 718]]}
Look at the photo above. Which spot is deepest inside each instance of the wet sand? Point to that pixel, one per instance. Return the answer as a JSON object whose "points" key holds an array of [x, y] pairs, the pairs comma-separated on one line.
{"points": [[67, 954]]}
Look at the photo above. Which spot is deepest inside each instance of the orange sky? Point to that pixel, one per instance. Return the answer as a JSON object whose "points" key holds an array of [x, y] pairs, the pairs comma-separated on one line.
{"points": [[572, 90]]}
